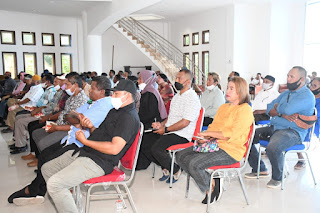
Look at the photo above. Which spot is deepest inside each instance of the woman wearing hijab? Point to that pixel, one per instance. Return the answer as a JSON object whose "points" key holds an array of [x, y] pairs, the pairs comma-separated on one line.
{"points": [[152, 109]]}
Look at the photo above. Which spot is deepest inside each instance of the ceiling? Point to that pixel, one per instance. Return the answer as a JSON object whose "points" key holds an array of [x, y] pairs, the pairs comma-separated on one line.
{"points": [[50, 7]]}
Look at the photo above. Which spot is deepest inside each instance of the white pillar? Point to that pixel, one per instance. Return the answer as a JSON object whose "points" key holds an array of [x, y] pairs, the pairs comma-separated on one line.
{"points": [[93, 53]]}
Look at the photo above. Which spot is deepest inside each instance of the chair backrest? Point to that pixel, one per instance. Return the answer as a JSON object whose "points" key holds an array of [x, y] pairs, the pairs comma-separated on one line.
{"points": [[248, 145], [128, 161], [310, 133], [199, 123]]}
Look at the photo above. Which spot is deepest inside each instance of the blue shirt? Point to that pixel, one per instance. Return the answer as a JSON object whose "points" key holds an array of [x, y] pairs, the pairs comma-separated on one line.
{"points": [[96, 112], [317, 126], [301, 101], [47, 96]]}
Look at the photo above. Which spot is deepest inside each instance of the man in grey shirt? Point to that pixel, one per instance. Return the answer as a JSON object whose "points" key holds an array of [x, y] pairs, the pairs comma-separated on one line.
{"points": [[9, 85]]}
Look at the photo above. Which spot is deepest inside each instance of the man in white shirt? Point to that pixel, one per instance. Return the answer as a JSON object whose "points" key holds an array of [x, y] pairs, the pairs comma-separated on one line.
{"points": [[179, 127], [263, 98], [212, 98]]}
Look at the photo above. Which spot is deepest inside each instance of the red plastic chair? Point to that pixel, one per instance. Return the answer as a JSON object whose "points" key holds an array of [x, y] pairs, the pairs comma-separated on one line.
{"points": [[121, 175], [178, 147], [237, 167]]}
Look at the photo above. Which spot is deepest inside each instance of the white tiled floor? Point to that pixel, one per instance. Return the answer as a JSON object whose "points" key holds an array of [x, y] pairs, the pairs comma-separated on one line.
{"points": [[152, 196]]}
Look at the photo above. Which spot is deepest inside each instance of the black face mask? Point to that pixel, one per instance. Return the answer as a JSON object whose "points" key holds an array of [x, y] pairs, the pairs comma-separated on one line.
{"points": [[294, 85], [7, 77], [316, 91], [178, 85]]}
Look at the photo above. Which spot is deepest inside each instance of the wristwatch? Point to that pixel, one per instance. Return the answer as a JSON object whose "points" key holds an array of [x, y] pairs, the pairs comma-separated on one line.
{"points": [[280, 115], [166, 130]]}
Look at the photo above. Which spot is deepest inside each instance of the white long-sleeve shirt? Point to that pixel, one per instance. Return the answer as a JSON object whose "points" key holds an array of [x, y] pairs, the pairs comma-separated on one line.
{"points": [[211, 100]]}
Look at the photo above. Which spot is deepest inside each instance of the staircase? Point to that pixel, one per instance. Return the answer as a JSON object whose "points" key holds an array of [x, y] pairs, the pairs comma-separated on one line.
{"points": [[160, 51]]}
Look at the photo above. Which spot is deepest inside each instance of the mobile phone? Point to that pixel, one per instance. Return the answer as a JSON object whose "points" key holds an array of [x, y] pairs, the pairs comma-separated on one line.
{"points": [[200, 138]]}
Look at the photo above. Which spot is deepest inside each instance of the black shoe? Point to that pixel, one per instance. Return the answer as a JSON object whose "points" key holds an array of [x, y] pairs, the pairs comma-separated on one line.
{"points": [[18, 150], [218, 188], [12, 146], [17, 194], [3, 125], [36, 170], [7, 130], [213, 198]]}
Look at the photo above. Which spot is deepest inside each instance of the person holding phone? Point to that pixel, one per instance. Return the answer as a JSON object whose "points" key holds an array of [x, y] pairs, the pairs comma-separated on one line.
{"points": [[230, 129]]}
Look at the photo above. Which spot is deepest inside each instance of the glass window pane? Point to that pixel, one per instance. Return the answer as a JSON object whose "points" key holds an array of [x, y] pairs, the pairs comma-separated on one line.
{"points": [[28, 38], [66, 63], [195, 38], [65, 40], [9, 63], [49, 62], [196, 66], [30, 63], [8, 37], [47, 39]]}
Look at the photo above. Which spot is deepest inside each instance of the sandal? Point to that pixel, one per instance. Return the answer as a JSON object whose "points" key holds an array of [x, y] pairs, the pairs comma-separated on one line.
{"points": [[300, 165]]}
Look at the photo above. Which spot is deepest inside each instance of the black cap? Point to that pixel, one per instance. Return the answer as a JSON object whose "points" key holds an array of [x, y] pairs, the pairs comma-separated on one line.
{"points": [[271, 78], [126, 85]]}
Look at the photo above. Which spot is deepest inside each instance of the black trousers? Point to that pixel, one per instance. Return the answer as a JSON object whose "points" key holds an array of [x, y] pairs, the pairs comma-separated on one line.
{"points": [[31, 127], [145, 156], [38, 185], [207, 121], [261, 117], [159, 150]]}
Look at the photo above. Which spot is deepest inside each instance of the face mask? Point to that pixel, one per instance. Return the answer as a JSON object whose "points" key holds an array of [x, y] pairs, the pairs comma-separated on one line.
{"points": [[142, 86], [43, 85], [68, 91], [266, 86], [63, 87], [316, 92], [57, 87], [117, 102], [178, 85], [211, 87], [294, 85], [7, 77]]}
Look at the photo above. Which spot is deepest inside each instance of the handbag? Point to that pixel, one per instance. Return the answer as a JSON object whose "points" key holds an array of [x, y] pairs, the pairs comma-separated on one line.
{"points": [[208, 146]]}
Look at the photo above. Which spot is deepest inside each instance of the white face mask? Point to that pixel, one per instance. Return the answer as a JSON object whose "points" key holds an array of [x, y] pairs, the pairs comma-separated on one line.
{"points": [[44, 85], [117, 102], [142, 86], [211, 87], [57, 87], [266, 86]]}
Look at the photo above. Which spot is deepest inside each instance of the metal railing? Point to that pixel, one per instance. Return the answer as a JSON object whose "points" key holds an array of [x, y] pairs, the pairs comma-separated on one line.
{"points": [[161, 47]]}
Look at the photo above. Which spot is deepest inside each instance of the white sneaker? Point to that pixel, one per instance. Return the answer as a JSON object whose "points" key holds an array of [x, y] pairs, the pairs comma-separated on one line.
{"points": [[23, 201]]}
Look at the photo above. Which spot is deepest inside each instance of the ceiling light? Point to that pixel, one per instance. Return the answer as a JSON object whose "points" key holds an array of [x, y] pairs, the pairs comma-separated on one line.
{"points": [[145, 17]]}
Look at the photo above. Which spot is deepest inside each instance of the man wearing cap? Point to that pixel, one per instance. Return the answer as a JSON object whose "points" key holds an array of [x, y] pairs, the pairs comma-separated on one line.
{"points": [[263, 98], [101, 151], [29, 100], [96, 110]]}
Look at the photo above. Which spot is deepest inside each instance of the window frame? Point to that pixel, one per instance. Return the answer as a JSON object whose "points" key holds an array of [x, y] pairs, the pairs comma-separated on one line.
{"points": [[13, 33], [34, 38], [203, 37], [54, 62], [70, 61], [203, 62], [184, 40], [194, 68], [16, 63], [70, 39], [185, 55], [193, 38], [52, 36], [35, 62]]}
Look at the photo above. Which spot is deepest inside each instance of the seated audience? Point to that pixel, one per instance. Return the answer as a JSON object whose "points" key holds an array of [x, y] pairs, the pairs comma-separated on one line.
{"points": [[257, 81], [263, 98], [230, 129], [284, 132], [28, 101], [9, 85], [22, 120], [96, 111], [85, 86], [179, 127], [165, 90], [151, 109], [112, 73], [126, 74], [212, 98], [233, 74]]}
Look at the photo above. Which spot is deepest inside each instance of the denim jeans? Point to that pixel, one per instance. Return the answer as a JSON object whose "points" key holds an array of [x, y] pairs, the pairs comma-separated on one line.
{"points": [[280, 140]]}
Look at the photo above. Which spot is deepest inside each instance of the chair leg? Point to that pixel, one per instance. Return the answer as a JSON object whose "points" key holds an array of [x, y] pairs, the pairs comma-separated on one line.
{"points": [[284, 170], [314, 180], [209, 192], [243, 188], [172, 166], [120, 195], [153, 170], [88, 200], [188, 186], [130, 198], [259, 159]]}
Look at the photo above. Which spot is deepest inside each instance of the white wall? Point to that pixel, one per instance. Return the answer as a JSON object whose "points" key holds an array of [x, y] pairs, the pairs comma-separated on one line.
{"points": [[220, 23], [125, 53], [18, 22], [251, 39]]}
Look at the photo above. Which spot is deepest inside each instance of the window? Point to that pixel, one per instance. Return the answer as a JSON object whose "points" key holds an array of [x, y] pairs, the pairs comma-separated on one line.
{"points": [[186, 40], [9, 60], [66, 63], [186, 60], [195, 38], [28, 38], [205, 37], [47, 39], [195, 60], [30, 63], [205, 62], [311, 60], [65, 40], [8, 37], [49, 62]]}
